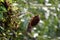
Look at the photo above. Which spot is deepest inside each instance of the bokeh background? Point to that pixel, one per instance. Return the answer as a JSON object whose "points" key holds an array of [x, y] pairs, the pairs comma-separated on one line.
{"points": [[48, 27]]}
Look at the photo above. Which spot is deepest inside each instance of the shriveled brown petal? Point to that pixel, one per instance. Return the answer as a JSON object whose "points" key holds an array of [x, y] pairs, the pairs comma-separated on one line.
{"points": [[34, 21]]}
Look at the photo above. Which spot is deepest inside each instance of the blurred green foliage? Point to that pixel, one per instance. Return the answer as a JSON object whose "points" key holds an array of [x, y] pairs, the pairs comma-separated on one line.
{"points": [[48, 27]]}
